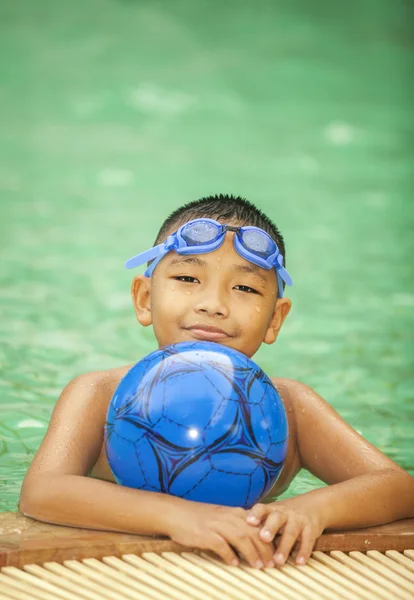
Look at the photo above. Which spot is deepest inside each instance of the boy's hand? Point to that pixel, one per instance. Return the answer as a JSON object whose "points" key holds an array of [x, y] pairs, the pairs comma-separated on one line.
{"points": [[293, 523], [222, 529]]}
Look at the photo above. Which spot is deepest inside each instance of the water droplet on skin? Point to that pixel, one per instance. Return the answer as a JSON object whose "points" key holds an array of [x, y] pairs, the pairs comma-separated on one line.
{"points": [[189, 293], [172, 288], [258, 308]]}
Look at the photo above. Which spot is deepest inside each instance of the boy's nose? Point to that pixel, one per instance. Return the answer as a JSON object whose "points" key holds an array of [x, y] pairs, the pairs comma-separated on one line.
{"points": [[212, 305]]}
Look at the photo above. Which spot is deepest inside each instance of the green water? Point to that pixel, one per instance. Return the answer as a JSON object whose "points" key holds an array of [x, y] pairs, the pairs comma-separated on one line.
{"points": [[114, 113]]}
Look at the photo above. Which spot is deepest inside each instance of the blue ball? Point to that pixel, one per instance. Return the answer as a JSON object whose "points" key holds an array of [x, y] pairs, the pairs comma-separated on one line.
{"points": [[200, 421]]}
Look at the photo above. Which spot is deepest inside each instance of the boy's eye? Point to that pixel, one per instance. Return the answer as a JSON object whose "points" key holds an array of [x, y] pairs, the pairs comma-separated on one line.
{"points": [[185, 278], [246, 288]]}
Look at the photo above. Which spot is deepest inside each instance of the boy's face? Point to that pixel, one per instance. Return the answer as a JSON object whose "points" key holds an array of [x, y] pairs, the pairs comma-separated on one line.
{"points": [[218, 296]]}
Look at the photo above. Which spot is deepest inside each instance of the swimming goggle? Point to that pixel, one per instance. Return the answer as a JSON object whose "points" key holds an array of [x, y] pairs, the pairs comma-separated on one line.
{"points": [[206, 235]]}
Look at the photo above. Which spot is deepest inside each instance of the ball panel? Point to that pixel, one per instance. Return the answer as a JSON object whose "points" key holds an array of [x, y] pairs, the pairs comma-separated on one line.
{"points": [[221, 487], [129, 426], [258, 484], [120, 452], [152, 464], [274, 410], [222, 424], [260, 427], [188, 475], [190, 400], [186, 436], [235, 461], [278, 451]]}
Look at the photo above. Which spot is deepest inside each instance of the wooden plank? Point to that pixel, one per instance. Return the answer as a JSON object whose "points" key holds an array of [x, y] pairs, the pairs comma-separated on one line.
{"points": [[26, 541]]}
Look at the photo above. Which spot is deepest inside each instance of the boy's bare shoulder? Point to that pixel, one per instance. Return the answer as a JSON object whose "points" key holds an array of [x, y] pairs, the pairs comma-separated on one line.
{"points": [[98, 384], [105, 378], [294, 392]]}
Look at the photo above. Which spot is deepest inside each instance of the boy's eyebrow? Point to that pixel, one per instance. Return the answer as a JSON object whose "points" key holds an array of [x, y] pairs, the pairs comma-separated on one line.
{"points": [[187, 260], [195, 260], [251, 268]]}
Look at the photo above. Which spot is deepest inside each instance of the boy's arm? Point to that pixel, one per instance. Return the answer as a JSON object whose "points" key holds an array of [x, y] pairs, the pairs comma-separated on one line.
{"points": [[69, 450], [56, 488], [366, 488]]}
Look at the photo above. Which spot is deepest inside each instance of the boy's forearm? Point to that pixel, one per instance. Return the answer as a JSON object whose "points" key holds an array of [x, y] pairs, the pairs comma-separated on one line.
{"points": [[364, 501], [94, 504]]}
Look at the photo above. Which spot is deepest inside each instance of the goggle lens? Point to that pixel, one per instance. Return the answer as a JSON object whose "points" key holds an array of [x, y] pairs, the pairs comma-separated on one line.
{"points": [[258, 242], [197, 234]]}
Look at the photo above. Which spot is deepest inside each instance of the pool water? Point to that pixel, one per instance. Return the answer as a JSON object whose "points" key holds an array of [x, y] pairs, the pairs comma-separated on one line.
{"points": [[114, 113]]}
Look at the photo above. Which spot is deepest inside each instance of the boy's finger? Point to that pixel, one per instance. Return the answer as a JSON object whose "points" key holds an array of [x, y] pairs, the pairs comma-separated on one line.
{"points": [[245, 546], [265, 551], [222, 549], [256, 514], [287, 541], [273, 523], [307, 543]]}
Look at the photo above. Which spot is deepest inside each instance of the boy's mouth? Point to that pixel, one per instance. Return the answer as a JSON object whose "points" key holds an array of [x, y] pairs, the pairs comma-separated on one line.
{"points": [[207, 332]]}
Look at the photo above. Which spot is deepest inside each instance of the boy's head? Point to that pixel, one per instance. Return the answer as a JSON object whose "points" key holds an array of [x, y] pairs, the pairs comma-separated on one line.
{"points": [[232, 210], [219, 295]]}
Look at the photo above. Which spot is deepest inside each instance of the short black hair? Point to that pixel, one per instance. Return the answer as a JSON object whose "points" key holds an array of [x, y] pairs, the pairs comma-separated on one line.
{"points": [[231, 209]]}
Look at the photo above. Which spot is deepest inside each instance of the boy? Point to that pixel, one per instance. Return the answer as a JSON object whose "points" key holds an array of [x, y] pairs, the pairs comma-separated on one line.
{"points": [[222, 284]]}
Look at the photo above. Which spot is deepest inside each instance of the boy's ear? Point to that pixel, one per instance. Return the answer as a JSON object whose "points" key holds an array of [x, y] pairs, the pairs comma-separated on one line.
{"points": [[282, 308], [141, 299]]}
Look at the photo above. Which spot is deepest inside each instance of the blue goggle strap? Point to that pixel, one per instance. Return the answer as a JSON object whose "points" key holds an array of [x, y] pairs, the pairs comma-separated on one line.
{"points": [[281, 274], [157, 251], [150, 269], [281, 271]]}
